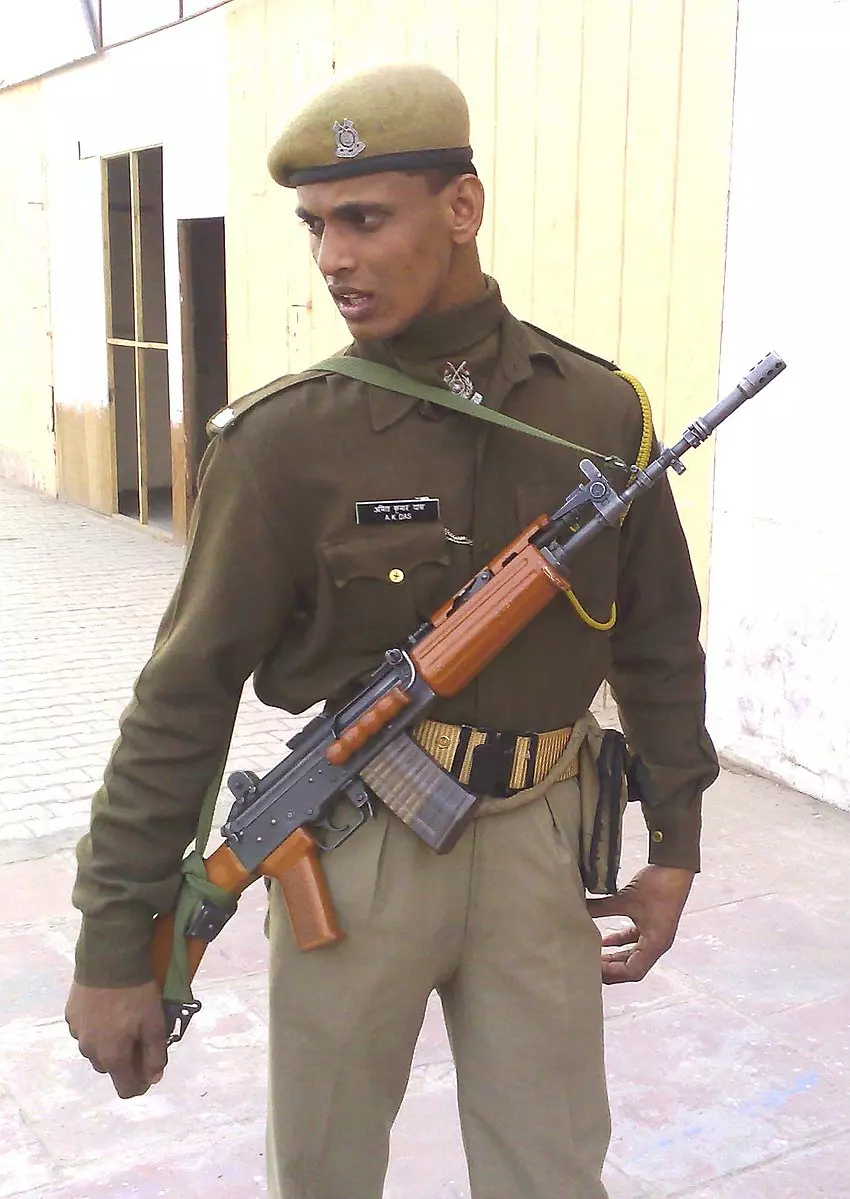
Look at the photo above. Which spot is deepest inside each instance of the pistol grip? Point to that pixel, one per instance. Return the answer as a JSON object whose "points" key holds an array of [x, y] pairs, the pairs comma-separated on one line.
{"points": [[296, 867]]}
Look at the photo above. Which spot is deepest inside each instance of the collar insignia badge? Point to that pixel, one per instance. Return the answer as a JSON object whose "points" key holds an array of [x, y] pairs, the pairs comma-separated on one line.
{"points": [[459, 382], [348, 143]]}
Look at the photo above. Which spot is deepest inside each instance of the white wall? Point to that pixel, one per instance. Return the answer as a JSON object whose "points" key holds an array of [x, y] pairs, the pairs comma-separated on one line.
{"points": [[38, 37], [778, 630], [168, 89], [27, 452]]}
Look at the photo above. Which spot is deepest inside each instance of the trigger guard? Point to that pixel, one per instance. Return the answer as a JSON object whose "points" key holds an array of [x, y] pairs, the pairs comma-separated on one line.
{"points": [[344, 831]]}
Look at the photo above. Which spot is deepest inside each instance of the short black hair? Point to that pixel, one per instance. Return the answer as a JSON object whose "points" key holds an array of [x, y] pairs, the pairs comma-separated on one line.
{"points": [[436, 178]]}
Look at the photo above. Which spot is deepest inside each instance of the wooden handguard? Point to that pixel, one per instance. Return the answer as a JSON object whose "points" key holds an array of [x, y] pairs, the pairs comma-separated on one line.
{"points": [[295, 865], [370, 723], [463, 642]]}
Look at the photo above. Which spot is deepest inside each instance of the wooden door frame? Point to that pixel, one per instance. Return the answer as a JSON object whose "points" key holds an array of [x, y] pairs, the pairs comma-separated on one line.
{"points": [[110, 369], [181, 455], [138, 344]]}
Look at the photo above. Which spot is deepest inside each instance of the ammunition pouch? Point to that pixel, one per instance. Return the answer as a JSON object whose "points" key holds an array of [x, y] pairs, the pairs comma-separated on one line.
{"points": [[608, 777]]}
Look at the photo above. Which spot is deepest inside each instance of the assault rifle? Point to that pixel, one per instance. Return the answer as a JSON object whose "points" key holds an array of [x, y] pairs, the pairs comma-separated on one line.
{"points": [[280, 823]]}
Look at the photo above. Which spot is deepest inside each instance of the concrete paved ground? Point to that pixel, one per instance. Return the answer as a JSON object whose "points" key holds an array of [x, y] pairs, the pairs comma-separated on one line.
{"points": [[728, 1066]]}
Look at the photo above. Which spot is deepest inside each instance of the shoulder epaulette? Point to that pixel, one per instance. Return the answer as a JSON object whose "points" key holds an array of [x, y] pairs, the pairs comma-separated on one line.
{"points": [[227, 417], [566, 345], [643, 399]]}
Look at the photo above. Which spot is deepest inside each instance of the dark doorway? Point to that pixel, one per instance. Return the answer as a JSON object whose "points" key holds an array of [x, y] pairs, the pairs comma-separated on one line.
{"points": [[204, 325], [136, 336]]}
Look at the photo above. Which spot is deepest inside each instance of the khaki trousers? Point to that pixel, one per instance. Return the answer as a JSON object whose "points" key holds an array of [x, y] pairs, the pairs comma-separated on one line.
{"points": [[498, 927]]}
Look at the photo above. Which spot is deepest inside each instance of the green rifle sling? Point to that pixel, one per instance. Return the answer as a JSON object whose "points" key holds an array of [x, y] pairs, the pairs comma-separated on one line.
{"points": [[195, 886], [378, 375]]}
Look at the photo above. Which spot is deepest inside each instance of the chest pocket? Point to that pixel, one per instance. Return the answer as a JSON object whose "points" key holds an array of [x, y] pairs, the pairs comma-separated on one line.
{"points": [[384, 581]]}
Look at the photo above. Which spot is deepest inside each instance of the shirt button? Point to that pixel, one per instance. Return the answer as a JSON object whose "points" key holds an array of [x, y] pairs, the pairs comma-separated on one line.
{"points": [[657, 835], [443, 741], [396, 575]]}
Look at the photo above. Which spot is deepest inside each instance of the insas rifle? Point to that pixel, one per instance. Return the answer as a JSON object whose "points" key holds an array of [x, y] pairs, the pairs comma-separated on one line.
{"points": [[281, 822]]}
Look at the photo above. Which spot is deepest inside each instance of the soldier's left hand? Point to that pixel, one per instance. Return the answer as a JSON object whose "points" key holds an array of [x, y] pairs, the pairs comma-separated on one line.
{"points": [[653, 901]]}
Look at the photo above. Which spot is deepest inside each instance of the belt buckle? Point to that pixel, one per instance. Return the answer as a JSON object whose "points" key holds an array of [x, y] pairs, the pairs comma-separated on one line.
{"points": [[492, 765]]}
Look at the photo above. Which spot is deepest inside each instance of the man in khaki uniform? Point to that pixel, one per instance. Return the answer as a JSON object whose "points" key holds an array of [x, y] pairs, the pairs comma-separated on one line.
{"points": [[285, 579]]}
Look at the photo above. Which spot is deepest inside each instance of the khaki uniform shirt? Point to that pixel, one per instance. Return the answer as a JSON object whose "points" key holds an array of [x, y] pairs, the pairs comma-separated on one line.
{"points": [[280, 581]]}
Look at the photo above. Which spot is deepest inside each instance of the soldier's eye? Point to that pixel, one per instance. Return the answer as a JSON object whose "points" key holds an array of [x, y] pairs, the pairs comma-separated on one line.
{"points": [[369, 221]]}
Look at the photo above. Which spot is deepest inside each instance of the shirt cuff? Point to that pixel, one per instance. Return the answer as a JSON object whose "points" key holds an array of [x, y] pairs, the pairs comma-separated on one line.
{"points": [[674, 835], [113, 953]]}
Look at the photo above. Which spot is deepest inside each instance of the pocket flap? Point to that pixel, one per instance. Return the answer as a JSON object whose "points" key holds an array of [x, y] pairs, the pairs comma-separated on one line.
{"points": [[373, 552]]}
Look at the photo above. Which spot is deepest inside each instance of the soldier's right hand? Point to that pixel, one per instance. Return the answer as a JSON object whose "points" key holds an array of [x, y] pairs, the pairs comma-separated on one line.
{"points": [[121, 1031]]}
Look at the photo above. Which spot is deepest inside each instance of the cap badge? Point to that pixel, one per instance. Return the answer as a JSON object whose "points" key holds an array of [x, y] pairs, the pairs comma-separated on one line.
{"points": [[459, 382], [348, 143]]}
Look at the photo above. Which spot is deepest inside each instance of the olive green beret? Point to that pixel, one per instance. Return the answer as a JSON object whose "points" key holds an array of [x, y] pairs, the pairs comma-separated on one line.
{"points": [[392, 118]]}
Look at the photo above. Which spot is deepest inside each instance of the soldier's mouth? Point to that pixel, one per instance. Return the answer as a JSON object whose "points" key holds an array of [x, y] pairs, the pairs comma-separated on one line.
{"points": [[353, 305]]}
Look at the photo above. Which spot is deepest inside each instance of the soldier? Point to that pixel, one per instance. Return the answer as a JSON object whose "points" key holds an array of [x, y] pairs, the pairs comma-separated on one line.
{"points": [[287, 578]]}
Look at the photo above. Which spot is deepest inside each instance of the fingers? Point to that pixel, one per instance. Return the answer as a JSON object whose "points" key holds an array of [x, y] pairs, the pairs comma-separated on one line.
{"points": [[616, 972], [653, 901], [121, 1064], [634, 962], [622, 956], [621, 936], [122, 1061], [71, 1022], [628, 966], [121, 1032], [153, 1056], [127, 1083]]}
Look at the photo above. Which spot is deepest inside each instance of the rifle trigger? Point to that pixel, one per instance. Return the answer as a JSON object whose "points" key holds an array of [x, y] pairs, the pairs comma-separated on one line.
{"points": [[339, 833]]}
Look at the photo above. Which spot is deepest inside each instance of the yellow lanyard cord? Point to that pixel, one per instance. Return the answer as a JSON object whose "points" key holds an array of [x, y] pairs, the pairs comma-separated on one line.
{"points": [[588, 619], [641, 462]]}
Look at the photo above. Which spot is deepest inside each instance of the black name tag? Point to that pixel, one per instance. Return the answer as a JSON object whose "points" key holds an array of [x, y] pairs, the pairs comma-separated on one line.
{"points": [[379, 512]]}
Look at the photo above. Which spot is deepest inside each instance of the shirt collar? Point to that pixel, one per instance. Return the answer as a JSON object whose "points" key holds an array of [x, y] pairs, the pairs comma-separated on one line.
{"points": [[455, 333]]}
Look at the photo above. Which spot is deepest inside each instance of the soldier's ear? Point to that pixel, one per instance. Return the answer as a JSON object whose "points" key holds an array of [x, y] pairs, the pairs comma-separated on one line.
{"points": [[467, 208]]}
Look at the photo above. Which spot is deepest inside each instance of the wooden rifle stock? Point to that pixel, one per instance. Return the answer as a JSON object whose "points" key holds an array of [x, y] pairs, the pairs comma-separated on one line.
{"points": [[295, 865]]}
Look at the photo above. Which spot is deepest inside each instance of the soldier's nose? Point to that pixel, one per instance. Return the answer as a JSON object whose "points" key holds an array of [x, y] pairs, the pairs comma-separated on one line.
{"points": [[333, 255]]}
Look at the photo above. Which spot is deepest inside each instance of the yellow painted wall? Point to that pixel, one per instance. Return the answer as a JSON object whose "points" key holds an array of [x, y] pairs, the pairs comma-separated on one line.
{"points": [[26, 375], [601, 130]]}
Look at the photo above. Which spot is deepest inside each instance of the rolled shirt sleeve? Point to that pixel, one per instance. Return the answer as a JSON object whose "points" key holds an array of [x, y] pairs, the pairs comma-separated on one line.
{"points": [[658, 675], [234, 596]]}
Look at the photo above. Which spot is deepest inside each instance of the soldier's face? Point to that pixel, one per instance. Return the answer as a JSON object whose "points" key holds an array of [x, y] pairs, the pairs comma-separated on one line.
{"points": [[387, 246]]}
